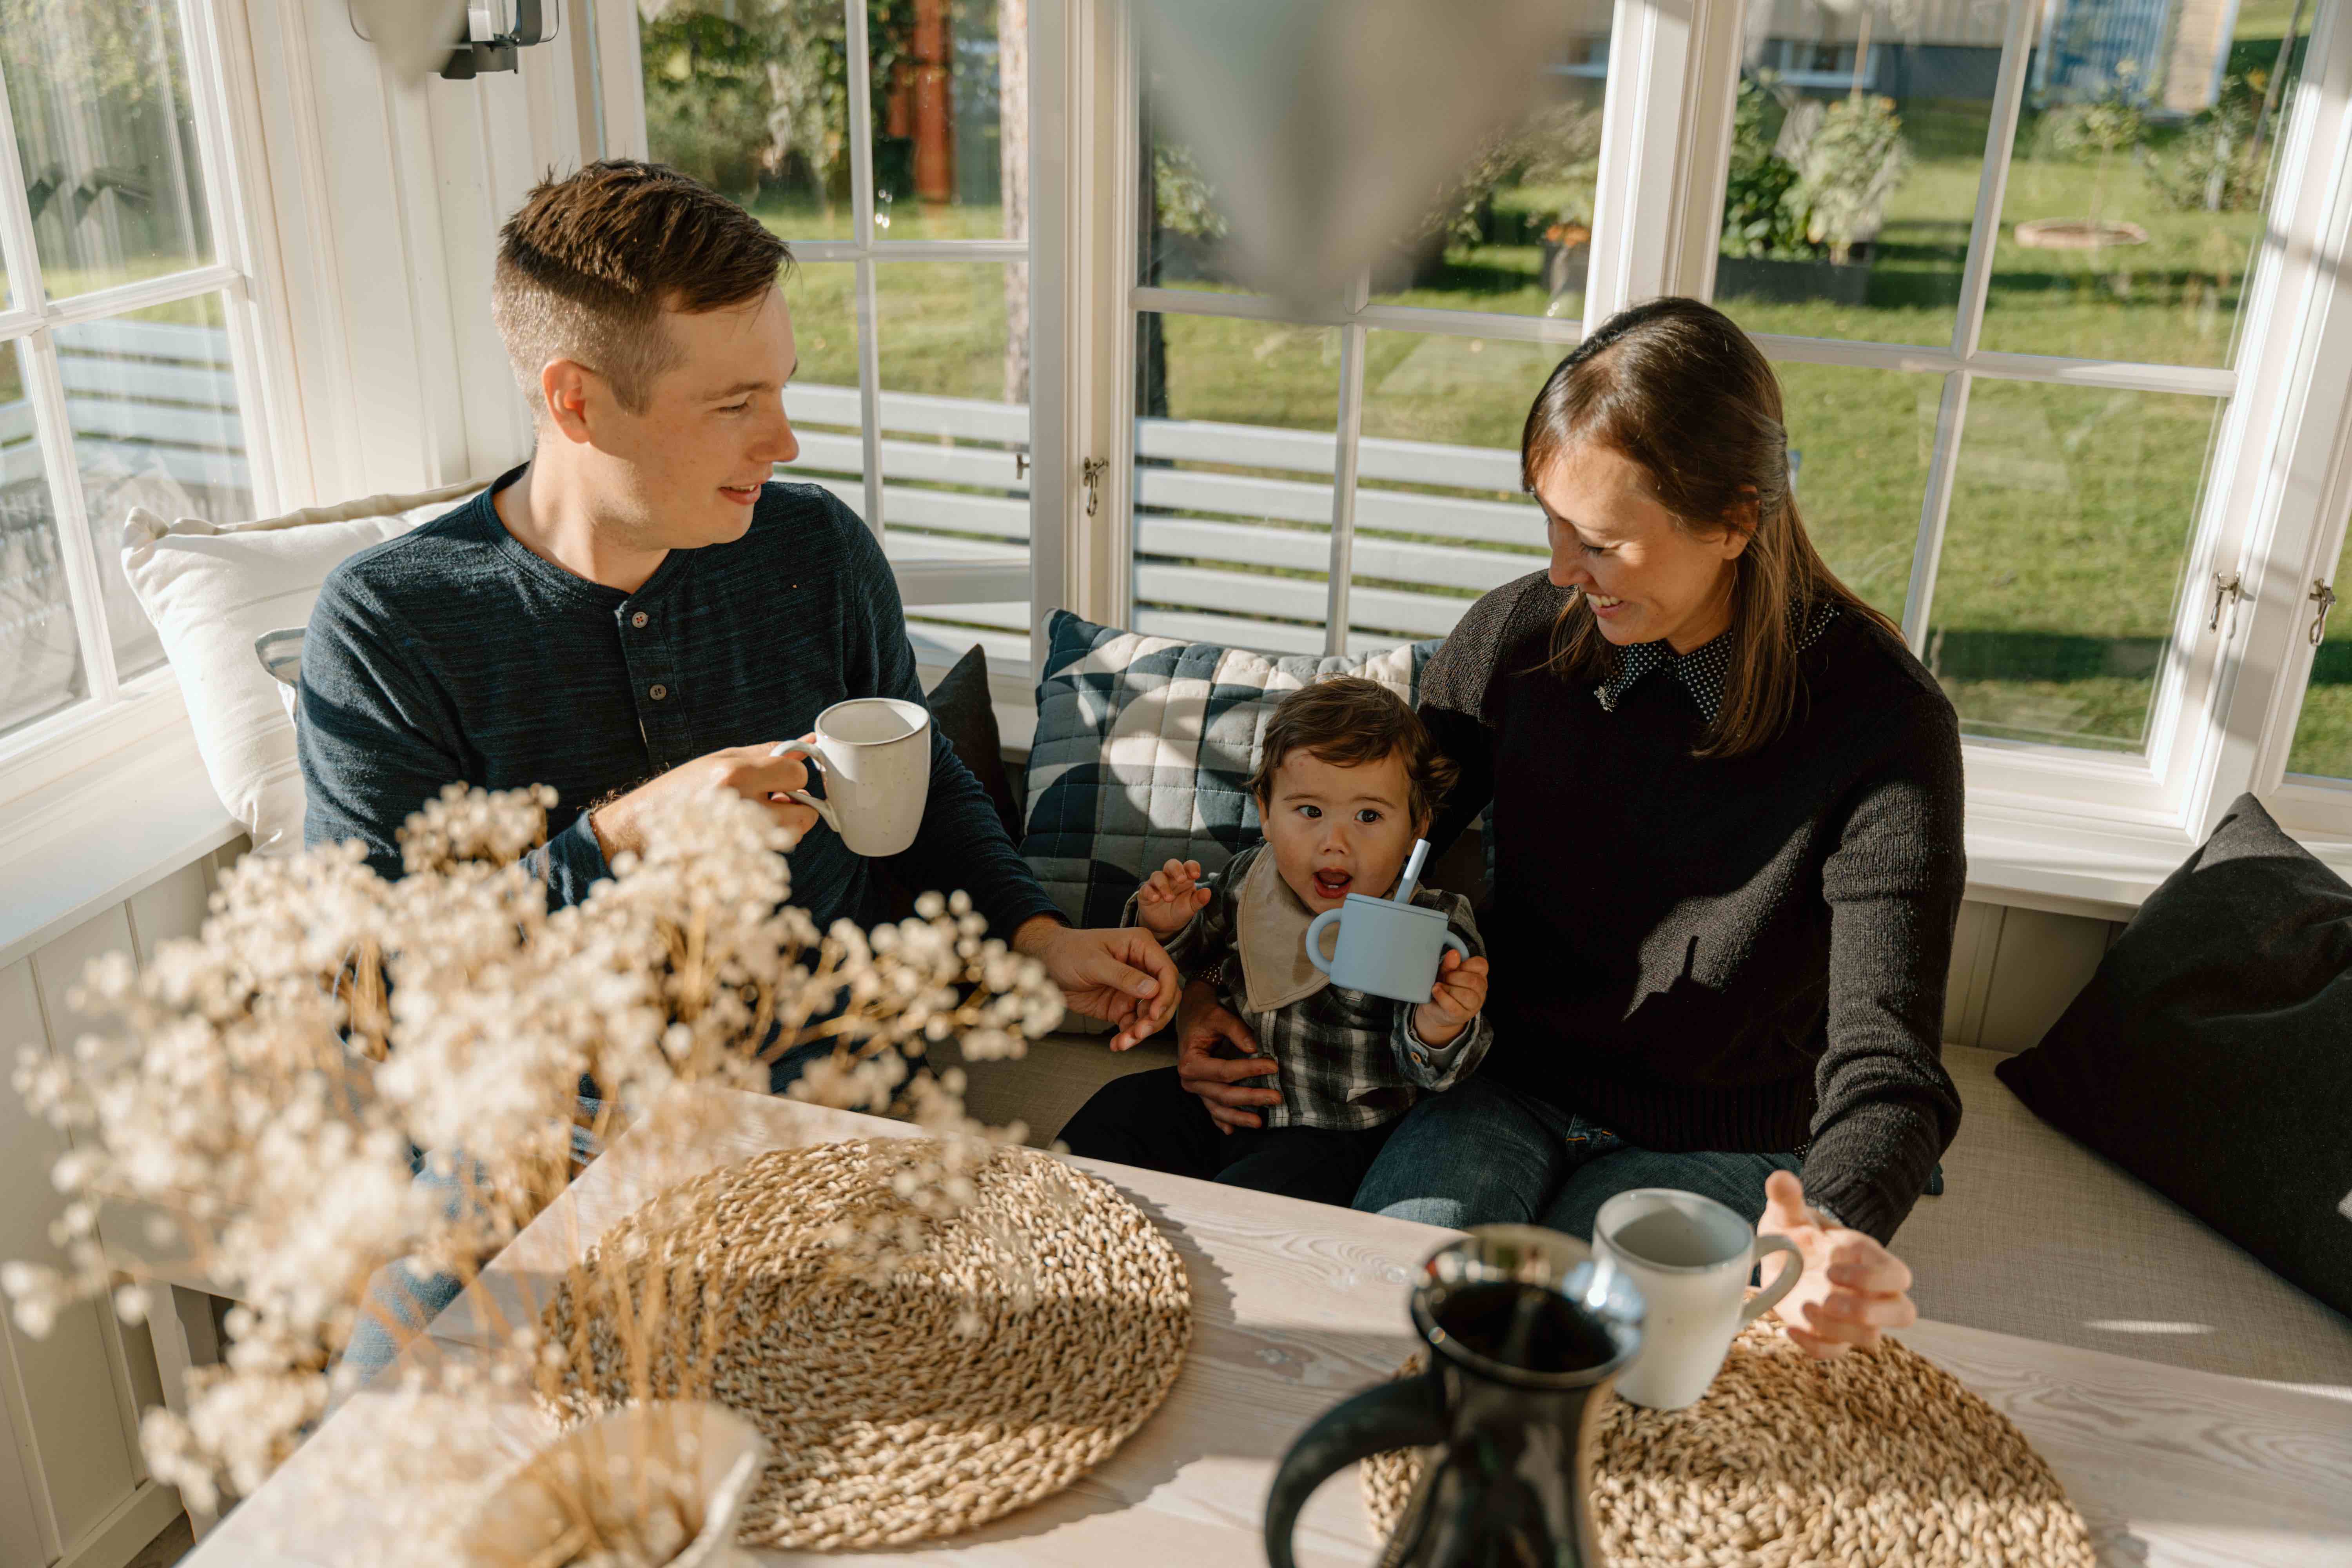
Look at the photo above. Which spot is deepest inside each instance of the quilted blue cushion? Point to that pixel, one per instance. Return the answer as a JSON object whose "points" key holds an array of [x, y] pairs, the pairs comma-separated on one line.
{"points": [[1144, 746]]}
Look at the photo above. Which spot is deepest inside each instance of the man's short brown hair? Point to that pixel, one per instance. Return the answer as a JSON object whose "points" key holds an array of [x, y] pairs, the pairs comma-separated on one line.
{"points": [[587, 265], [1349, 720]]}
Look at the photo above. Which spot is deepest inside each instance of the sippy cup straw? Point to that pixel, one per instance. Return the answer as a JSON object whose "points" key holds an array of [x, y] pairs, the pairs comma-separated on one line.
{"points": [[1412, 877]]}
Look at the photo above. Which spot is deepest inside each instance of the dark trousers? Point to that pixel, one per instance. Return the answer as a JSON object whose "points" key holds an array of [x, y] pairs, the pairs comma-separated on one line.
{"points": [[1146, 1119]]}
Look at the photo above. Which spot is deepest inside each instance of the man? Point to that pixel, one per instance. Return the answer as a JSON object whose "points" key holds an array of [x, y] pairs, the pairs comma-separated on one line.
{"points": [[639, 612]]}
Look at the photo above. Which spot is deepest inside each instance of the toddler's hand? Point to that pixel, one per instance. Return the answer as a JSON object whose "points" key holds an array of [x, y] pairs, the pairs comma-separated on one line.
{"points": [[1168, 902], [1454, 1001]]}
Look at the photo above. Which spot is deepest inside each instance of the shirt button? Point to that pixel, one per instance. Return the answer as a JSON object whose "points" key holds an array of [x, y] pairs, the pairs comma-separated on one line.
{"points": [[658, 692], [639, 619]]}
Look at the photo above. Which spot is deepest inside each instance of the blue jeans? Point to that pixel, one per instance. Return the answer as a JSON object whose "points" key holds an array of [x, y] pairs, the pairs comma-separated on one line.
{"points": [[1482, 1153]]}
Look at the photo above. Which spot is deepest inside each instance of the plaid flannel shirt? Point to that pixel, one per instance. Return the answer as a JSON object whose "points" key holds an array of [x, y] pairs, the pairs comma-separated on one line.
{"points": [[1350, 1060]]}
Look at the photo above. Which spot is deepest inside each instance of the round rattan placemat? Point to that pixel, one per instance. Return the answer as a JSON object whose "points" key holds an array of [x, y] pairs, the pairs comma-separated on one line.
{"points": [[1879, 1458], [891, 1420]]}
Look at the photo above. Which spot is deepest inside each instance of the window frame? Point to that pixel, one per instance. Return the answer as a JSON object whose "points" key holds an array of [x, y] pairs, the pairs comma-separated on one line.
{"points": [[118, 712], [619, 107], [2281, 464]]}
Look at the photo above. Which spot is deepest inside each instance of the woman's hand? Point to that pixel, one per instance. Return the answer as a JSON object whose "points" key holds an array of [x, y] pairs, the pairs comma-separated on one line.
{"points": [[1851, 1287], [1167, 903], [1202, 1023], [1459, 991]]}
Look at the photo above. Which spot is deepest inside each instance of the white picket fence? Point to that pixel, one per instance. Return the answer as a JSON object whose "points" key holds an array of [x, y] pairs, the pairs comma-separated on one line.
{"points": [[1204, 536]]}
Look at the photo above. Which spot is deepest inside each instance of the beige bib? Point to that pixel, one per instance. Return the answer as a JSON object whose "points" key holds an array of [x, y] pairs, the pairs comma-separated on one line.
{"points": [[1270, 934]]}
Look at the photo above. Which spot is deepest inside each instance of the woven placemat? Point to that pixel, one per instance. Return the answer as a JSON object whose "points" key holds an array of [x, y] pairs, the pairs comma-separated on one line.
{"points": [[1880, 1457], [889, 1419]]}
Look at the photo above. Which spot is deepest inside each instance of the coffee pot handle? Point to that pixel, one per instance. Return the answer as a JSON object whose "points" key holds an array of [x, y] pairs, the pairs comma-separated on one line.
{"points": [[1315, 929], [1407, 1414]]}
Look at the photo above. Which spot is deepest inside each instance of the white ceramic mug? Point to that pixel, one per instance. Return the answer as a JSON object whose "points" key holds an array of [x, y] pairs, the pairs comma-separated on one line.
{"points": [[1690, 1255], [875, 753]]}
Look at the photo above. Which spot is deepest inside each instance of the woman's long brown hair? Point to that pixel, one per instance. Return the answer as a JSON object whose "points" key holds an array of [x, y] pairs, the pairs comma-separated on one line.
{"points": [[1674, 386]]}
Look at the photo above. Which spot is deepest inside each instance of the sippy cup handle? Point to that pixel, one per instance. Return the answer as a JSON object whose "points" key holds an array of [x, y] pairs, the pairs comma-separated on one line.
{"points": [[1315, 938]]}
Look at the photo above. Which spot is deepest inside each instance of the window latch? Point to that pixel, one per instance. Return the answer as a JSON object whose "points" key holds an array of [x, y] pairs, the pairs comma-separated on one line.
{"points": [[1020, 464], [2226, 585], [1090, 474], [2324, 596]]}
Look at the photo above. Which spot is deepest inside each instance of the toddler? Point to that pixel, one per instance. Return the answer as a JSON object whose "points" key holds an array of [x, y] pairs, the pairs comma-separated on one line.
{"points": [[1347, 780]]}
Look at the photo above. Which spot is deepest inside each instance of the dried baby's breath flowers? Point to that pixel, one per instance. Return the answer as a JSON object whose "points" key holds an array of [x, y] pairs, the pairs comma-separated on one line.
{"points": [[271, 1088]]}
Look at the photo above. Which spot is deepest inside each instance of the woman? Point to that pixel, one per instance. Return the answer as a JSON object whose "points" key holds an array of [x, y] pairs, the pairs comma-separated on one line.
{"points": [[1726, 807]]}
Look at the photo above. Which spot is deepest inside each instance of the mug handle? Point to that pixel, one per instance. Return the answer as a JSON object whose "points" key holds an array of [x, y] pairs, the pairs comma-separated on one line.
{"points": [[1406, 1414], [1315, 929], [1769, 1296], [807, 749], [1458, 945]]}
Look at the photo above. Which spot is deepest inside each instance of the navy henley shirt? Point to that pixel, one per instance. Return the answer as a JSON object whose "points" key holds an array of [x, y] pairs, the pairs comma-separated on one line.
{"points": [[454, 653]]}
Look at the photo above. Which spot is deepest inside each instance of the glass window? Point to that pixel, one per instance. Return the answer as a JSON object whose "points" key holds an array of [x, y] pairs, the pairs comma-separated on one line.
{"points": [[1859, 446], [2323, 732], [152, 402], [753, 100], [1513, 231], [2070, 518], [756, 100], [1847, 208], [98, 95], [40, 656], [2136, 182], [1234, 457], [1440, 515]]}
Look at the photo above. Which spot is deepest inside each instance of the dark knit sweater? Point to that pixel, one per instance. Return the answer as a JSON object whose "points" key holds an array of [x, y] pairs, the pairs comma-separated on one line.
{"points": [[1742, 954], [454, 653]]}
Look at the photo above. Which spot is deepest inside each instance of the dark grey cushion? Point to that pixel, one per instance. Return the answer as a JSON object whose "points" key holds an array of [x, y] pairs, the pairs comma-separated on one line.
{"points": [[959, 706], [2211, 1053]]}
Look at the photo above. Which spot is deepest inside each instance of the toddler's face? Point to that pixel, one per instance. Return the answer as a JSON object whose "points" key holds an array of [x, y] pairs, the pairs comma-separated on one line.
{"points": [[1338, 830]]}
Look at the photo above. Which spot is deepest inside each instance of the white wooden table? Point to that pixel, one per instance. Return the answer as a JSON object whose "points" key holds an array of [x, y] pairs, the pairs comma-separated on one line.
{"points": [[1298, 1304]]}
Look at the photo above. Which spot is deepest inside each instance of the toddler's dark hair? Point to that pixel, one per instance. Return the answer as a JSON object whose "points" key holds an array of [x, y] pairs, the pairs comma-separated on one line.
{"points": [[1351, 719]]}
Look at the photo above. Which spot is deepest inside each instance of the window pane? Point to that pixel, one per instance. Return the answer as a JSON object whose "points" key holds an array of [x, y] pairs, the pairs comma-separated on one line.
{"points": [[1856, 151], [754, 101], [2323, 735], [1440, 517], [40, 660], [2136, 183], [1235, 444], [2070, 518], [821, 401], [99, 93], [948, 76], [954, 341], [1514, 232], [155, 424], [1859, 446], [1182, 224]]}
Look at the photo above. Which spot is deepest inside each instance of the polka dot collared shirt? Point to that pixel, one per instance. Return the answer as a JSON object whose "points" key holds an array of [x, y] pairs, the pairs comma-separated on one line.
{"points": [[1700, 671]]}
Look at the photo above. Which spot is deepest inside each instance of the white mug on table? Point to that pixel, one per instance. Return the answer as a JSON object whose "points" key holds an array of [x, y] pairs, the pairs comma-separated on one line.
{"points": [[874, 756], [1691, 1256]]}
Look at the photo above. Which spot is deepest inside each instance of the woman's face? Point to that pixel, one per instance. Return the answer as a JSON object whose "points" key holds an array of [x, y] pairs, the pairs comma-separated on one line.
{"points": [[1646, 577]]}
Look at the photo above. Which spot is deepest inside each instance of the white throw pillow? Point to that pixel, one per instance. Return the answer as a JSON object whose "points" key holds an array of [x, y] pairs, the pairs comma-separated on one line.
{"points": [[210, 590]]}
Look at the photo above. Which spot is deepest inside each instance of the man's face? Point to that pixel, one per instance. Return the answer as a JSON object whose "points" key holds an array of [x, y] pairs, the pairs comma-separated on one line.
{"points": [[687, 468]]}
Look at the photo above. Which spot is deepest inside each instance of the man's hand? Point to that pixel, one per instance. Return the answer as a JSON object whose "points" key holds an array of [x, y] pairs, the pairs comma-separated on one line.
{"points": [[748, 771], [1851, 1287], [1202, 1023], [1167, 903], [1118, 976], [1453, 1000]]}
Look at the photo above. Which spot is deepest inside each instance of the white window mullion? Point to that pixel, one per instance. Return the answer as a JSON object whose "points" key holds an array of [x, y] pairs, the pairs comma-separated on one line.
{"points": [[1967, 325], [1343, 472], [45, 389], [861, 207], [1642, 123]]}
